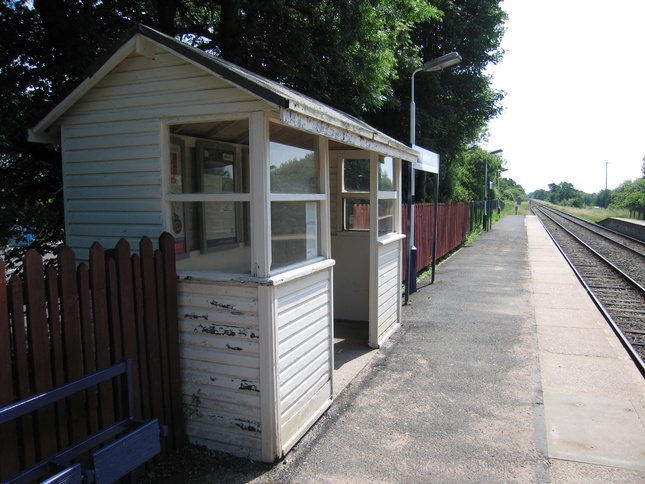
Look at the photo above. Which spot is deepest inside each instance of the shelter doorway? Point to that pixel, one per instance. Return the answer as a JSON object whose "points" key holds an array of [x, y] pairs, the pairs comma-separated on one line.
{"points": [[350, 247]]}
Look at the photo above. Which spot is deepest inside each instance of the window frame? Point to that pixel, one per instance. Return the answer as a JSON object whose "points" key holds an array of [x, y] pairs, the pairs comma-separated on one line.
{"points": [[344, 195], [393, 195], [320, 198], [168, 139]]}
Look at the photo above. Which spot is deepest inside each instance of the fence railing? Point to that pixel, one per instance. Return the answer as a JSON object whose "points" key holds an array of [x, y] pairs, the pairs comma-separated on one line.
{"points": [[57, 325], [452, 230]]}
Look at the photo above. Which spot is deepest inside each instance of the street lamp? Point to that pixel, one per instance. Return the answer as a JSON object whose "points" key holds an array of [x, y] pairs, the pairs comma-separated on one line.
{"points": [[437, 64], [486, 192]]}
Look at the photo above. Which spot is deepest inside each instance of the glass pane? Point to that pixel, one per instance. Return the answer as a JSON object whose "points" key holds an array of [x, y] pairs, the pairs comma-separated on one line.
{"points": [[294, 232], [209, 157], [386, 174], [356, 175], [293, 161], [219, 222], [217, 166], [212, 236], [357, 214], [385, 216], [177, 164], [179, 213]]}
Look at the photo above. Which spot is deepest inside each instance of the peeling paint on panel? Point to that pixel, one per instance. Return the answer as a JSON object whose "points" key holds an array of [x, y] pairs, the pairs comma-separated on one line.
{"points": [[219, 330], [247, 425], [220, 305], [243, 332], [234, 348], [213, 329], [196, 316], [245, 385]]}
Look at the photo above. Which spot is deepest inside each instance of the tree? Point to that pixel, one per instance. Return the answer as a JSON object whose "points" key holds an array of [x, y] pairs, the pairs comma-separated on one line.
{"points": [[630, 195], [511, 190], [603, 199], [540, 194], [469, 175]]}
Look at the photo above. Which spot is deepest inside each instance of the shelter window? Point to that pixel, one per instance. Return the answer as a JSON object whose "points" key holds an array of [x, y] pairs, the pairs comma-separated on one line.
{"points": [[295, 196], [209, 195], [355, 194], [387, 194]]}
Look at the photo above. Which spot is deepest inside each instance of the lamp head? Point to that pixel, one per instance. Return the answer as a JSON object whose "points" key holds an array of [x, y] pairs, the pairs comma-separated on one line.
{"points": [[442, 62]]}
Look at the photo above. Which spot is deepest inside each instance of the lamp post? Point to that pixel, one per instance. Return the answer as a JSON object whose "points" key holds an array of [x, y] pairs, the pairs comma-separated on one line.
{"points": [[487, 214], [437, 64]]}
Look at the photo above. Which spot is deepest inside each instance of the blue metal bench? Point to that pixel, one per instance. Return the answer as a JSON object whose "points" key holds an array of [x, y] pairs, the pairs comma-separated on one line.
{"points": [[132, 442]]}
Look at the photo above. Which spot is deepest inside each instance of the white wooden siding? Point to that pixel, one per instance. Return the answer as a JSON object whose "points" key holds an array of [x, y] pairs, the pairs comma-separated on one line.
{"points": [[100, 202], [220, 363], [389, 288], [112, 142], [305, 353]]}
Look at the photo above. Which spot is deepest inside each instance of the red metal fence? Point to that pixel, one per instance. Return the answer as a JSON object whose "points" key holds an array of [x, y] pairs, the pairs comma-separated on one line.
{"points": [[60, 325], [452, 229]]}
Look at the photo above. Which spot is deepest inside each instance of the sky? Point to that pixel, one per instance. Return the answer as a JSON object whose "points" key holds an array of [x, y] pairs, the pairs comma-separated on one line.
{"points": [[574, 77]]}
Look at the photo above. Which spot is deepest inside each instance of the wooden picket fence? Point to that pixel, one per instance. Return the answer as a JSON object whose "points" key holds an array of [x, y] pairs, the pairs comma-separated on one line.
{"points": [[57, 325]]}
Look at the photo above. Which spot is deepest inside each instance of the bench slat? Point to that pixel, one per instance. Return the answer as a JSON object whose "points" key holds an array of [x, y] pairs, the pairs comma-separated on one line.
{"points": [[126, 454], [31, 404]]}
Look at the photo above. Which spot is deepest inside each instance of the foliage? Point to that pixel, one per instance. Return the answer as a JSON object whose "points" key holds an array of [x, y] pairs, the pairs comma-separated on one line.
{"points": [[297, 175], [469, 175], [603, 199], [345, 54], [540, 194], [563, 193], [511, 190], [631, 196]]}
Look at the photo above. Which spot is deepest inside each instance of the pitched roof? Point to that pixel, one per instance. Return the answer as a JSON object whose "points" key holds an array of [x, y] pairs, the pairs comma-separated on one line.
{"points": [[295, 108]]}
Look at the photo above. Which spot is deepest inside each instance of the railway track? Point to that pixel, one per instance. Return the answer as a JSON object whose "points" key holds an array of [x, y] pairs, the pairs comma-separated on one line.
{"points": [[611, 266]]}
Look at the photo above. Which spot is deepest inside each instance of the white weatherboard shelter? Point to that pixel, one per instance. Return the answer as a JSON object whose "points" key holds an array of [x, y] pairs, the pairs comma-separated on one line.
{"points": [[267, 193]]}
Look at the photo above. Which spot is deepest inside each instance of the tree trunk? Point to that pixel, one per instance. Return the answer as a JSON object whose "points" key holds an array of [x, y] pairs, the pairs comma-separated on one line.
{"points": [[229, 36]]}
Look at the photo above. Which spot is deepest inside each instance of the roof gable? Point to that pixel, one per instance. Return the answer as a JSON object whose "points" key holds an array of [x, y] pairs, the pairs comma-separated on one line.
{"points": [[292, 105]]}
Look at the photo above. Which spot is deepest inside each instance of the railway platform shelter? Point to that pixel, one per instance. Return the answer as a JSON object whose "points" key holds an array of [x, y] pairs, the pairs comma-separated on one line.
{"points": [[268, 194], [503, 371]]}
